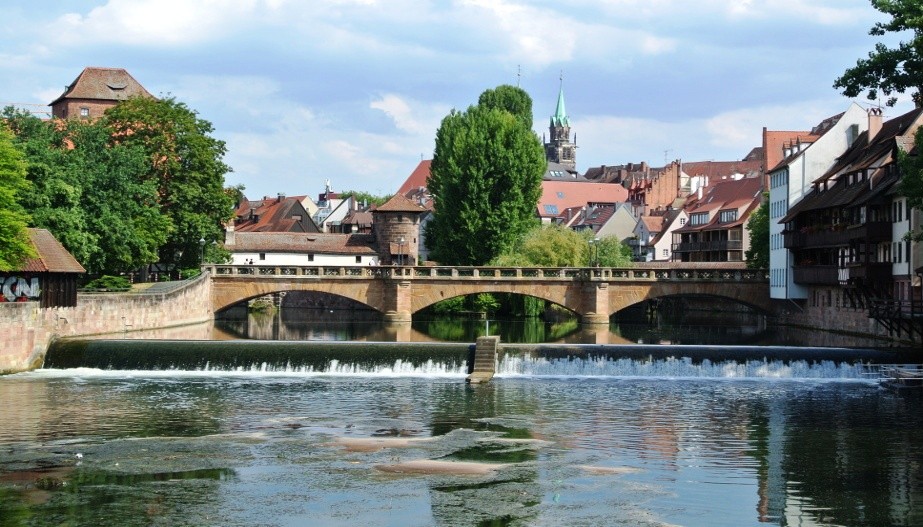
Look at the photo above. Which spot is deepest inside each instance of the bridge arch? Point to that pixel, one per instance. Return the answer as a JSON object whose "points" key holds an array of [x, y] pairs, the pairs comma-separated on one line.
{"points": [[425, 298]]}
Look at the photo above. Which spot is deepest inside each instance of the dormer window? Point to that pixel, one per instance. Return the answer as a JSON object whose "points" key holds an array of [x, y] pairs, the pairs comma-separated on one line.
{"points": [[727, 216], [699, 218]]}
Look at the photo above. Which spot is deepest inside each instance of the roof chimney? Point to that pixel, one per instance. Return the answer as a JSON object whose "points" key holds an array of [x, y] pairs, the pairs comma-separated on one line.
{"points": [[874, 123]]}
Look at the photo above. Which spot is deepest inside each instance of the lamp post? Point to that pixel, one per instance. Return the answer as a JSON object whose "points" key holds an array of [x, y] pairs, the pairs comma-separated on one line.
{"points": [[201, 251], [593, 244], [400, 250]]}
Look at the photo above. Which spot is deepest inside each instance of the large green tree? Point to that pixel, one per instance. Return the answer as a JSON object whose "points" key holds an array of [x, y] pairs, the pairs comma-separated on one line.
{"points": [[757, 255], [15, 245], [185, 164], [510, 98], [485, 179], [890, 70]]}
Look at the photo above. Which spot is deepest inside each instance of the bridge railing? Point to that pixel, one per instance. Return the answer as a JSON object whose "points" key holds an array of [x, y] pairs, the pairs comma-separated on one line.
{"points": [[685, 272]]}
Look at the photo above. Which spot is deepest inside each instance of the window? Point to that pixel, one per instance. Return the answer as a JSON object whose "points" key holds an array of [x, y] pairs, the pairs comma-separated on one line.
{"points": [[310, 257], [560, 195], [84, 112], [358, 259], [551, 209], [699, 218], [666, 253], [727, 216], [682, 221], [262, 256]]}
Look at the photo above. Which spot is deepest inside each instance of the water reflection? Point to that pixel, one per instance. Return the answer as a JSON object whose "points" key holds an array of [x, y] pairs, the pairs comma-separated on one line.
{"points": [[230, 450]]}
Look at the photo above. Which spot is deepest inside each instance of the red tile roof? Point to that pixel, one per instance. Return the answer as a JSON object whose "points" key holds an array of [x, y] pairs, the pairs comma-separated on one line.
{"points": [[741, 195], [417, 178], [52, 256], [297, 242], [399, 203], [273, 215], [108, 84], [558, 196]]}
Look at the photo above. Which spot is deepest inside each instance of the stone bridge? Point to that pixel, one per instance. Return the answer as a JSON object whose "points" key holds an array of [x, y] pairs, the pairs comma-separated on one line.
{"points": [[400, 291]]}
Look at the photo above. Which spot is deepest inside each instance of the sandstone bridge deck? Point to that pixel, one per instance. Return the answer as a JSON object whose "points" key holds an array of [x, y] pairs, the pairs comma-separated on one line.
{"points": [[400, 291]]}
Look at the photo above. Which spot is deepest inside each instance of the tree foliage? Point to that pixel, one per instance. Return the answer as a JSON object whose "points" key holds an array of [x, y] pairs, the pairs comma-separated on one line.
{"points": [[757, 255], [559, 246], [365, 197], [15, 245], [510, 98], [186, 165], [485, 179], [891, 70], [142, 184]]}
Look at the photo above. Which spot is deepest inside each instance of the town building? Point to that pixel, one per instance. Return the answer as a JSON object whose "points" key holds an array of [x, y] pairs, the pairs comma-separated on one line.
{"points": [[716, 230], [804, 159], [279, 214], [847, 234], [94, 91]]}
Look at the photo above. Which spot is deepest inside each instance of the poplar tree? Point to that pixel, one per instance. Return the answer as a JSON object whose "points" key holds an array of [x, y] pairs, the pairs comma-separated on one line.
{"points": [[485, 179]]}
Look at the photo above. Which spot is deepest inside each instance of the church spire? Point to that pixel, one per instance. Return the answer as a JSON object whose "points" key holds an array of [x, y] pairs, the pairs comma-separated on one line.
{"points": [[560, 114], [559, 149]]}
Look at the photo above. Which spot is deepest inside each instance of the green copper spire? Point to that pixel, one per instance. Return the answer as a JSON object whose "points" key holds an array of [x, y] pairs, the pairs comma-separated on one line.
{"points": [[560, 115]]}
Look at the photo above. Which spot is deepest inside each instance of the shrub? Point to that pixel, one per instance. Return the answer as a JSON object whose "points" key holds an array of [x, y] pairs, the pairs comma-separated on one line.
{"points": [[110, 283]]}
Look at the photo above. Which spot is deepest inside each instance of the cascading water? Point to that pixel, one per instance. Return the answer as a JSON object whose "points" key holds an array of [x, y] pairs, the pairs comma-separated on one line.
{"points": [[678, 368], [392, 359]]}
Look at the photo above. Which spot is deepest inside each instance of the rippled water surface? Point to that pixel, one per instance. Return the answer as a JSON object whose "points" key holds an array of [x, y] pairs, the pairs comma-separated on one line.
{"points": [[92, 447]]}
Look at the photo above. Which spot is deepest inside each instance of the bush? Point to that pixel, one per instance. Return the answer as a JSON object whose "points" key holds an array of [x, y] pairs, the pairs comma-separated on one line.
{"points": [[110, 283], [186, 274]]}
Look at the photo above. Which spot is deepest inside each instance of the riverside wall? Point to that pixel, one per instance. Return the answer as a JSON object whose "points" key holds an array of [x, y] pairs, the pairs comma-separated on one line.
{"points": [[29, 329]]}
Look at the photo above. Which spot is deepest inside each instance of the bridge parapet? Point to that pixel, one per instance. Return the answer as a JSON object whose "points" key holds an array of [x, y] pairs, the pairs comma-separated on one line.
{"points": [[679, 272], [399, 291]]}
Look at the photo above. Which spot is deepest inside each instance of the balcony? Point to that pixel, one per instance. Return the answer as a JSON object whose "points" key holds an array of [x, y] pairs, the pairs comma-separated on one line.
{"points": [[717, 245], [872, 232], [871, 272], [816, 275]]}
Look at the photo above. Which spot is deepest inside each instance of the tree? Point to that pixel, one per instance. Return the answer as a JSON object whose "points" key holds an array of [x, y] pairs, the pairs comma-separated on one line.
{"points": [[15, 245], [510, 98], [186, 165], [91, 195], [365, 197], [891, 70], [757, 255], [485, 179], [559, 246]]}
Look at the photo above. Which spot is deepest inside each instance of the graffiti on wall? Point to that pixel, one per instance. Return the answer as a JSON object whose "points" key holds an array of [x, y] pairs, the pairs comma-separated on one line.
{"points": [[19, 289]]}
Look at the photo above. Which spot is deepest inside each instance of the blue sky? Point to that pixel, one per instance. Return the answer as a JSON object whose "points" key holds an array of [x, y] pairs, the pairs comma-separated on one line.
{"points": [[354, 90]]}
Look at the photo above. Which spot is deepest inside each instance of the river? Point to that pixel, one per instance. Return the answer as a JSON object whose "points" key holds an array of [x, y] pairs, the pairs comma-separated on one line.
{"points": [[578, 440]]}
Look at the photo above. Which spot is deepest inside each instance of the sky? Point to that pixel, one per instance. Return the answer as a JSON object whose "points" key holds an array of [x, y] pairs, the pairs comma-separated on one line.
{"points": [[353, 91]]}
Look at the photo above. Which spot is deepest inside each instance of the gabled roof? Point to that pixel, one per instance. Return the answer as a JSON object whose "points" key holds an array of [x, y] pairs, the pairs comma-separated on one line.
{"points": [[832, 191], [105, 84], [559, 172], [399, 203], [795, 138], [653, 224], [715, 170], [298, 242], [272, 215], [417, 178], [560, 195], [52, 256], [741, 195]]}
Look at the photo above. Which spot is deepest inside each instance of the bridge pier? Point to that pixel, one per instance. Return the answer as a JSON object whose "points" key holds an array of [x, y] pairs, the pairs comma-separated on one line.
{"points": [[398, 301], [596, 304]]}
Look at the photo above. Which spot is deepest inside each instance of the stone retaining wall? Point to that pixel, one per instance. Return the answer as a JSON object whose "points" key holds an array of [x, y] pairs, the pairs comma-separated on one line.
{"points": [[28, 329]]}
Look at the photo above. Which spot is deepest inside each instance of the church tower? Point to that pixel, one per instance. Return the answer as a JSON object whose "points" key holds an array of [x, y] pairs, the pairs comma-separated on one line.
{"points": [[559, 149]]}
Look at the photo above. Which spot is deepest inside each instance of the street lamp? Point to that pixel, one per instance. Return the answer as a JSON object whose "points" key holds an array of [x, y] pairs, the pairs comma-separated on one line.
{"points": [[400, 250], [593, 244], [201, 251]]}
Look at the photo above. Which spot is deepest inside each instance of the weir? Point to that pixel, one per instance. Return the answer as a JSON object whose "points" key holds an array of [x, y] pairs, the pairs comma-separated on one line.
{"points": [[456, 360]]}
